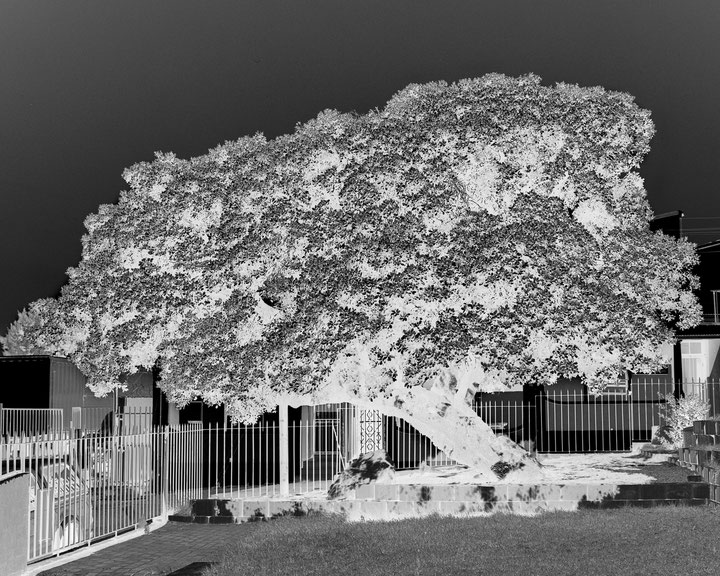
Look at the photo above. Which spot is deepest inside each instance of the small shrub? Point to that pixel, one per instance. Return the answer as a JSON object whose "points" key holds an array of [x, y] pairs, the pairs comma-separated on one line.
{"points": [[679, 414]]}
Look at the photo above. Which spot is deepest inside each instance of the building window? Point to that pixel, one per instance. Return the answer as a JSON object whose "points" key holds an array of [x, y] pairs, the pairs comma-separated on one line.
{"points": [[694, 364]]}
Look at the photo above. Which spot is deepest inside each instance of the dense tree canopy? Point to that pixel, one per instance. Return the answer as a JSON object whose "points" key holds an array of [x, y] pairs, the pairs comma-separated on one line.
{"points": [[480, 234], [35, 330]]}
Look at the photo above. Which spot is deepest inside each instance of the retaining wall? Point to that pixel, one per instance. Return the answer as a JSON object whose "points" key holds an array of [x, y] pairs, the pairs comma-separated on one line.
{"points": [[397, 501], [701, 453]]}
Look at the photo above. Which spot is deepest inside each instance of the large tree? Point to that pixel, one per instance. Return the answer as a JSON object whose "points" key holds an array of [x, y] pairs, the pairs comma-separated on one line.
{"points": [[466, 237]]}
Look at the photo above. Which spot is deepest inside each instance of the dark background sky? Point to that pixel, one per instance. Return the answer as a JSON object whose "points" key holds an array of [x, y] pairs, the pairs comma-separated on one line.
{"points": [[90, 87]]}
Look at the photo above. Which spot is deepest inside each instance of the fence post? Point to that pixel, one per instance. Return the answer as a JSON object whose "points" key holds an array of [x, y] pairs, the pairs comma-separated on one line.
{"points": [[165, 470], [284, 444]]}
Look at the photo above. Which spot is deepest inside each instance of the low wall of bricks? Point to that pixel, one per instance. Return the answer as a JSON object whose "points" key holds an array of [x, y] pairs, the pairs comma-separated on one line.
{"points": [[701, 454], [397, 501]]}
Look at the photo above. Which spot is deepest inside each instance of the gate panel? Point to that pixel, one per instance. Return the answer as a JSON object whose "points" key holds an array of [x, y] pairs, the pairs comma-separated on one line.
{"points": [[371, 431]]}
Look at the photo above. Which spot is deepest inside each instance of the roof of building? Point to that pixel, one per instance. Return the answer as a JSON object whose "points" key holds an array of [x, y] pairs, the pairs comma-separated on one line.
{"points": [[700, 331], [669, 214], [709, 246]]}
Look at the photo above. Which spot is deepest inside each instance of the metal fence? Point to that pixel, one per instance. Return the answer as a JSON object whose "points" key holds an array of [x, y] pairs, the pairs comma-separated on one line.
{"points": [[88, 487], [19, 422], [708, 390], [244, 460], [125, 420], [647, 398], [96, 418], [574, 421], [563, 422], [30, 422]]}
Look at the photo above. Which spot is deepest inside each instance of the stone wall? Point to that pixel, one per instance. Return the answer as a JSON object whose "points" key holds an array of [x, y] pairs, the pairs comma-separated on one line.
{"points": [[701, 453], [396, 501]]}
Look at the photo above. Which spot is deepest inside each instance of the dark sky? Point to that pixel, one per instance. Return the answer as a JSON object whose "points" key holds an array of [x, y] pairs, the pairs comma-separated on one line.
{"points": [[88, 88]]}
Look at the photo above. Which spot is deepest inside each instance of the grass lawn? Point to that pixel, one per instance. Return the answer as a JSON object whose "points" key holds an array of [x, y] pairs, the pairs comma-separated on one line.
{"points": [[665, 541]]}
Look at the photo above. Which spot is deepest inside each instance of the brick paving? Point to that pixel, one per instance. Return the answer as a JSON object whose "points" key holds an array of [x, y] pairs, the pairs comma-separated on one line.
{"points": [[160, 553]]}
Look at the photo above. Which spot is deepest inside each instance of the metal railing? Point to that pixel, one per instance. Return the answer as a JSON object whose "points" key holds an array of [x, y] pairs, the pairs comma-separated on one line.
{"points": [[576, 421], [647, 398], [87, 487], [243, 461], [24, 422], [708, 390], [565, 421], [95, 418], [126, 420]]}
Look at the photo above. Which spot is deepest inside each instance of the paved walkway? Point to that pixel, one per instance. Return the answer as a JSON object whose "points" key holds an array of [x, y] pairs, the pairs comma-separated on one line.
{"points": [[162, 552]]}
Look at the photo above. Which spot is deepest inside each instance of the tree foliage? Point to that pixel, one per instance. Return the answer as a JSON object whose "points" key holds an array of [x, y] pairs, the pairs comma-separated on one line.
{"points": [[679, 413], [494, 226], [31, 334]]}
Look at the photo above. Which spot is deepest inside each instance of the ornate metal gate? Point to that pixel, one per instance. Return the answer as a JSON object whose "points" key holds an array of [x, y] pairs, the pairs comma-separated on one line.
{"points": [[371, 431]]}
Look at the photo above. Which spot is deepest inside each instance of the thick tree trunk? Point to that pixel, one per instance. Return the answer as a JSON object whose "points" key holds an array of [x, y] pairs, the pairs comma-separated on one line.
{"points": [[442, 411], [463, 436]]}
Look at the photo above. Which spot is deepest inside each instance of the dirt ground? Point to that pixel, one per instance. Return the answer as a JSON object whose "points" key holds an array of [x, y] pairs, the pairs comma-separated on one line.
{"points": [[597, 468]]}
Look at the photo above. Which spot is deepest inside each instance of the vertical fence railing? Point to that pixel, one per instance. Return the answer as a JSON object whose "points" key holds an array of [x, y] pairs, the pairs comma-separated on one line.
{"points": [[563, 421], [29, 422], [708, 390], [243, 460], [95, 419], [508, 418], [648, 399], [573, 421], [127, 420], [86, 486]]}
